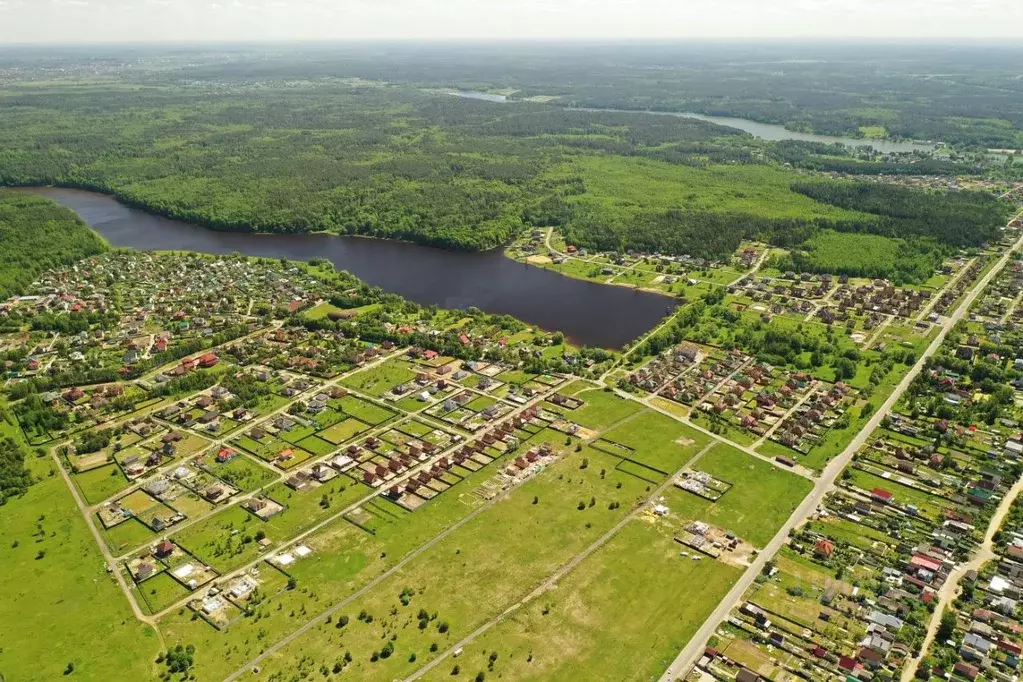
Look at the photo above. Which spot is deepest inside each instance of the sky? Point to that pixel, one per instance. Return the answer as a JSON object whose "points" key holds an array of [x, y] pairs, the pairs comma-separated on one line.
{"points": [[134, 21]]}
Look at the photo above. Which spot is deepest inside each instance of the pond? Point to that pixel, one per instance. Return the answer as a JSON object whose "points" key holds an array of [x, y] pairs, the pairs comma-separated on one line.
{"points": [[588, 313]]}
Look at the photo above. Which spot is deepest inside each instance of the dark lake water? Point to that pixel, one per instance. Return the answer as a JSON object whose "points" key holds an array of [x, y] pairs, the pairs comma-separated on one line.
{"points": [[592, 314]]}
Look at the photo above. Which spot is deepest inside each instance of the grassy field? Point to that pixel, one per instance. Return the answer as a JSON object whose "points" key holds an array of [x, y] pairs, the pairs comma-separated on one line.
{"points": [[60, 606], [617, 617], [658, 441], [480, 568], [761, 498], [100, 484], [600, 408], [241, 472], [627, 185], [378, 380], [344, 558]]}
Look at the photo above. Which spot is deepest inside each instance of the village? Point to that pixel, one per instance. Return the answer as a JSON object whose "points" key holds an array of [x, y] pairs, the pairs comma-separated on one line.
{"points": [[226, 447], [908, 568]]}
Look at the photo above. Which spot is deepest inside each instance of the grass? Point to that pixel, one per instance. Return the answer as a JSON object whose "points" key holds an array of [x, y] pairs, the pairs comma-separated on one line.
{"points": [[344, 558], [100, 484], [600, 408], [659, 441], [126, 535], [616, 617], [215, 542], [343, 431], [476, 571], [761, 498], [365, 411], [242, 473], [63, 607], [226, 540], [377, 381], [160, 591], [628, 185]]}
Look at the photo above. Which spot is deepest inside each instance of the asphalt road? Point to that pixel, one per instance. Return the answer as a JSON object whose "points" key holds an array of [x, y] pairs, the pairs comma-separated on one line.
{"points": [[687, 658]]}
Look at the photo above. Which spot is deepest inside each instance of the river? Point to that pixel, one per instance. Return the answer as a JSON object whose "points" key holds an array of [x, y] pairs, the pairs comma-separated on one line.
{"points": [[590, 314], [766, 131]]}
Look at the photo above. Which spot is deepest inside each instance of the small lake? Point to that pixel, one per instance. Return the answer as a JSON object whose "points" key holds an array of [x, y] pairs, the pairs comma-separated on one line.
{"points": [[766, 131], [588, 313]]}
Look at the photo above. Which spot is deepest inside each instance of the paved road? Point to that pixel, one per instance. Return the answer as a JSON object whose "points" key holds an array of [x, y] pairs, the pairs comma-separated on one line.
{"points": [[691, 653], [950, 590]]}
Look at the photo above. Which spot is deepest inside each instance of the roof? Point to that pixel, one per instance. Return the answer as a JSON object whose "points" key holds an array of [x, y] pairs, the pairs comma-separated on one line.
{"points": [[924, 561]]}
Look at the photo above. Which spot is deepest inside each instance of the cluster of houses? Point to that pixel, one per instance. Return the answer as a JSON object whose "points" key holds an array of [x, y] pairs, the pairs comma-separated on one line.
{"points": [[789, 407], [851, 594], [163, 303], [833, 300], [987, 641], [809, 422]]}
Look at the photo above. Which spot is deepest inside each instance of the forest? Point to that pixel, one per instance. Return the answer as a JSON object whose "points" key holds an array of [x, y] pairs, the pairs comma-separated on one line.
{"points": [[37, 235], [966, 95], [242, 145]]}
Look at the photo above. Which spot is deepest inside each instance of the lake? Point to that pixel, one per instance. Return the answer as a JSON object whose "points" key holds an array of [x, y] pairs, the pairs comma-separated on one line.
{"points": [[766, 131], [588, 313]]}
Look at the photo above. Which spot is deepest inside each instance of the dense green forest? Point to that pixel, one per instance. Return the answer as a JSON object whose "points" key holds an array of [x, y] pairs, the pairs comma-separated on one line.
{"points": [[958, 218], [38, 234], [373, 147], [921, 226], [959, 94]]}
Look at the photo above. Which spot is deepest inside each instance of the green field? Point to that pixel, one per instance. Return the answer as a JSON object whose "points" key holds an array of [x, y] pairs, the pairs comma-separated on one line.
{"points": [[63, 607], [377, 381], [761, 498], [241, 472], [626, 592], [100, 484]]}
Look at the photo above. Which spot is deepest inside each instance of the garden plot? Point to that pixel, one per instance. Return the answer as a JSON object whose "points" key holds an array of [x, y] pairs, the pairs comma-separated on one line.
{"points": [[153, 513], [469, 411], [237, 470]]}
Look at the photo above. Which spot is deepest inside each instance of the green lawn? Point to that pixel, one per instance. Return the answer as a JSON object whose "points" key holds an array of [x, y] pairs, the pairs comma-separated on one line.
{"points": [[100, 484], [242, 472], [126, 535], [658, 441], [762, 496], [600, 408], [61, 606], [365, 411], [160, 591], [379, 380]]}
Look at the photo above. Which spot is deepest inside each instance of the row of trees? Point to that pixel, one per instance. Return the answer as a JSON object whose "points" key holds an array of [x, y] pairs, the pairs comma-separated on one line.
{"points": [[14, 477]]}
